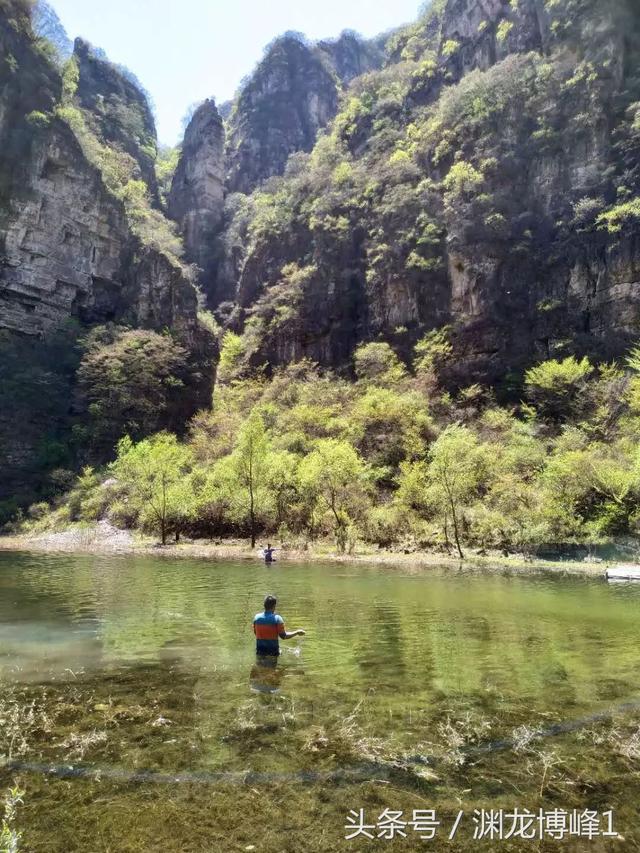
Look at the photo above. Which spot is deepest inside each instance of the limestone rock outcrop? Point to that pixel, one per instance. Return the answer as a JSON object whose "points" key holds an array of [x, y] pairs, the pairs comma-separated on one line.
{"points": [[69, 258], [66, 248], [476, 174], [351, 55], [293, 93], [290, 96], [196, 200], [121, 113], [470, 170]]}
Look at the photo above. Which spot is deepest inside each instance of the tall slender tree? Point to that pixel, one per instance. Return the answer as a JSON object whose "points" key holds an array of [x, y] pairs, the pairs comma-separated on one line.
{"points": [[250, 458]]}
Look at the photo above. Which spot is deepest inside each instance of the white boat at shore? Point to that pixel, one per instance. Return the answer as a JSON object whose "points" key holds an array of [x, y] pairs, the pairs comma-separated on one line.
{"points": [[623, 573]]}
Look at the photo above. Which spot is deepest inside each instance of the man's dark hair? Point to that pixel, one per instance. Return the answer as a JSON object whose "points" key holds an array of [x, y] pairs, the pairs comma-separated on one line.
{"points": [[270, 602]]}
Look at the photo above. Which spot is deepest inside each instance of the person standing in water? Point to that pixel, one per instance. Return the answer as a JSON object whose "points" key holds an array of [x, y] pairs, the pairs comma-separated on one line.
{"points": [[268, 553], [269, 628]]}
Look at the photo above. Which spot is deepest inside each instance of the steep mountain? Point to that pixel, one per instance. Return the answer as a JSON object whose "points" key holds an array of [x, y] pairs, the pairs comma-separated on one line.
{"points": [[196, 199], [485, 179], [68, 247], [119, 110], [47, 25], [80, 242], [476, 170], [351, 55], [292, 94]]}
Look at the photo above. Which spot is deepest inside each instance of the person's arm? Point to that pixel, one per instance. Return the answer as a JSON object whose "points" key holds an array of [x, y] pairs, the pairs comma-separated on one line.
{"points": [[289, 635]]}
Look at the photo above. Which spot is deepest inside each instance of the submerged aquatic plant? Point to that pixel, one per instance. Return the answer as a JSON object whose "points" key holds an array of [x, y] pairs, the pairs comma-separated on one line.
{"points": [[523, 736], [456, 735], [549, 760], [345, 739], [77, 745], [20, 719], [626, 744], [9, 836], [262, 715]]}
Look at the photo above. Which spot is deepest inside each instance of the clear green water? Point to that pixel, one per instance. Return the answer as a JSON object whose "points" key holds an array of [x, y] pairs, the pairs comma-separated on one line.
{"points": [[154, 661]]}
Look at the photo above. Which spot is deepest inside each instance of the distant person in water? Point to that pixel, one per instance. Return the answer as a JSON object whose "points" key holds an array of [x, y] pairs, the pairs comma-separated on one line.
{"points": [[268, 554], [269, 628]]}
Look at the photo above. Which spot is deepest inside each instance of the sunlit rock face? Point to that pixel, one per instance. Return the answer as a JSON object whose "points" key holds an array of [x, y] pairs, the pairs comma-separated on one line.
{"points": [[196, 200], [540, 104], [519, 266], [67, 249], [68, 256], [293, 93], [120, 109], [475, 27], [68, 252], [290, 96], [351, 55]]}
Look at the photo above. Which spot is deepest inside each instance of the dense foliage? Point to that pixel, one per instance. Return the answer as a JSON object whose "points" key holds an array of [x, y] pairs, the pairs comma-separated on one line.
{"points": [[522, 171], [35, 390], [68, 390], [76, 395], [129, 382], [390, 459], [121, 144]]}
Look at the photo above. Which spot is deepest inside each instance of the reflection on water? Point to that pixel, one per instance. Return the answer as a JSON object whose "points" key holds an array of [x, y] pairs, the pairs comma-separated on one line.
{"points": [[145, 669], [266, 676], [406, 642]]}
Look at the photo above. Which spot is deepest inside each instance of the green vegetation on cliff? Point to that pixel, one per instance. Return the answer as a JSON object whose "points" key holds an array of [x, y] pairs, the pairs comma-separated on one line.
{"points": [[76, 395], [84, 243], [426, 308], [464, 183], [117, 135]]}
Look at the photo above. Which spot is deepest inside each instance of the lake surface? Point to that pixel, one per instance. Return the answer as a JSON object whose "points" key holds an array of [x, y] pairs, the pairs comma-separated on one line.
{"points": [[153, 727]]}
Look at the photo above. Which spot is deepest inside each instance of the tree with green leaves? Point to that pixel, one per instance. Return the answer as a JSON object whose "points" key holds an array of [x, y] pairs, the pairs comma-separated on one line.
{"points": [[232, 358], [283, 486], [336, 476], [632, 393], [557, 388], [250, 462], [377, 364], [432, 351], [155, 475], [456, 471], [130, 382], [590, 489]]}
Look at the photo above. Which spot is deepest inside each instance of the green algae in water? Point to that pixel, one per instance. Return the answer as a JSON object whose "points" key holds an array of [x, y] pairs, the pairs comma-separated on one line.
{"points": [[135, 716]]}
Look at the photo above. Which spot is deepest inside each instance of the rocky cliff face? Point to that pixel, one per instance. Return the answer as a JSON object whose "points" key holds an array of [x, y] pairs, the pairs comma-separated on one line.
{"points": [[68, 252], [196, 200], [67, 249], [484, 179], [533, 274], [293, 93], [484, 174], [352, 56], [120, 112], [66, 245]]}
